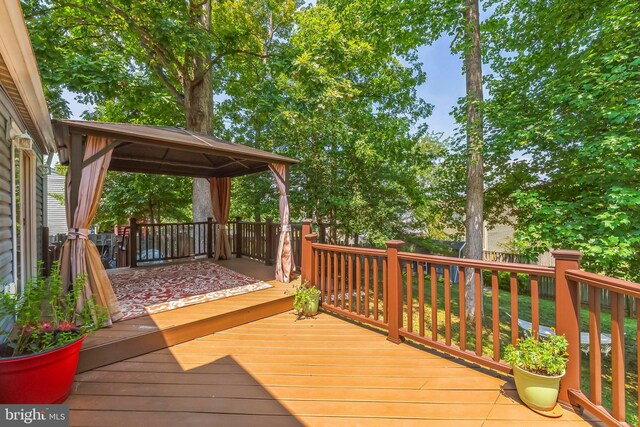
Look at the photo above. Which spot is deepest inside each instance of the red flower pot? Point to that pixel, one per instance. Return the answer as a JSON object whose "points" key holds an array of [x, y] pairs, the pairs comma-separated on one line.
{"points": [[43, 378]]}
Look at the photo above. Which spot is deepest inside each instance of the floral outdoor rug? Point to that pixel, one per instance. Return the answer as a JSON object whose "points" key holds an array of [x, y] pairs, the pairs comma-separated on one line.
{"points": [[144, 291]]}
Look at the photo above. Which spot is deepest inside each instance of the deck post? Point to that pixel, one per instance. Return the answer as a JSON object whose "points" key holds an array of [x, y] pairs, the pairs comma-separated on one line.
{"points": [[309, 264], [307, 251], [394, 293], [238, 237], [133, 249], [269, 245], [568, 317], [209, 237]]}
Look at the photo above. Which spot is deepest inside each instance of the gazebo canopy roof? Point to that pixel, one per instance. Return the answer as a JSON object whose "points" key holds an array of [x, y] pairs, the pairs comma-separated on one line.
{"points": [[168, 150]]}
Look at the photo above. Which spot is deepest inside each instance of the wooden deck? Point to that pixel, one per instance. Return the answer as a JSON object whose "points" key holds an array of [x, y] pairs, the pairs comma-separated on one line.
{"points": [[280, 371], [144, 334]]}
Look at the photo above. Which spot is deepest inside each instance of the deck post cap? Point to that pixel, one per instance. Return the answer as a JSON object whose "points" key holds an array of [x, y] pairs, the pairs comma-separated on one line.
{"points": [[567, 254], [397, 244]]}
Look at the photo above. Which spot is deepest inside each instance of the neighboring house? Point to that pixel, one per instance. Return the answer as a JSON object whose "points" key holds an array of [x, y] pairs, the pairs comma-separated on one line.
{"points": [[26, 137], [497, 238], [56, 214]]}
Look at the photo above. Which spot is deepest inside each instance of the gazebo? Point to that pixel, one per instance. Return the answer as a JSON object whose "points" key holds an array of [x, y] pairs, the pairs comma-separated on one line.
{"points": [[90, 149]]}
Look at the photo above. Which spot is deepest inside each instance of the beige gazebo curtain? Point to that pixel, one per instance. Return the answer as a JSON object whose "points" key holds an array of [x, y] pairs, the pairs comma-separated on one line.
{"points": [[79, 254], [284, 256], [221, 202]]}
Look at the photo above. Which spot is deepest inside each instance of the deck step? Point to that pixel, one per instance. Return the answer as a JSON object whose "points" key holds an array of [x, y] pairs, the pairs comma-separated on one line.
{"points": [[157, 339]]}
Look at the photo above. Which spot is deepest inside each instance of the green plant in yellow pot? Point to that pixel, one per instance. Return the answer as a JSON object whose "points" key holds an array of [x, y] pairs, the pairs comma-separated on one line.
{"points": [[538, 366], [306, 299]]}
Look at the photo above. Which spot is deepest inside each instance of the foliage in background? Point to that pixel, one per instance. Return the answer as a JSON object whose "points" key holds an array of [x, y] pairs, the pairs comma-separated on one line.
{"points": [[332, 84], [152, 198], [564, 126], [341, 98]]}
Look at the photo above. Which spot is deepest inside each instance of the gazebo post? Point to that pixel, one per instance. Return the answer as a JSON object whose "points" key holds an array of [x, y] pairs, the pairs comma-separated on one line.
{"points": [[75, 173]]}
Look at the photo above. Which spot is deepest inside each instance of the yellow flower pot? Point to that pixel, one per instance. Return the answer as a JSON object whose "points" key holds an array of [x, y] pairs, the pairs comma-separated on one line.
{"points": [[539, 392]]}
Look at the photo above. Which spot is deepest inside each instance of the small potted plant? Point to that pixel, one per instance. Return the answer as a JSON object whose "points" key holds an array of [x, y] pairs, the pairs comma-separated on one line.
{"points": [[306, 299], [39, 351], [538, 366]]}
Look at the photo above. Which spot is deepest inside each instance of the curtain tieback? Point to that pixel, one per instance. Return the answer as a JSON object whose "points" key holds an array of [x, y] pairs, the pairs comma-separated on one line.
{"points": [[284, 228], [78, 233], [222, 227]]}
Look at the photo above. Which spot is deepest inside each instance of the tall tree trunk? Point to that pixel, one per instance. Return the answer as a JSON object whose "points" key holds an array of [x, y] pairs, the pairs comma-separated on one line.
{"points": [[475, 181], [198, 106]]}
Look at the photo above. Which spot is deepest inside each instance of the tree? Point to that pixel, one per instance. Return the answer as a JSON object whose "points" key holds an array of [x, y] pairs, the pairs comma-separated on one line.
{"points": [[100, 47], [341, 97], [474, 213], [563, 125]]}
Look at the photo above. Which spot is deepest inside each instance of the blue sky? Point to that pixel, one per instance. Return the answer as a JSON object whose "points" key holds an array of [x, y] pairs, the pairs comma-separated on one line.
{"points": [[445, 84]]}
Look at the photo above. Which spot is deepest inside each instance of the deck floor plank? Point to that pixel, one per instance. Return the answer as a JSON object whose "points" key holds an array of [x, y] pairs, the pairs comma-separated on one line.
{"points": [[280, 371]]}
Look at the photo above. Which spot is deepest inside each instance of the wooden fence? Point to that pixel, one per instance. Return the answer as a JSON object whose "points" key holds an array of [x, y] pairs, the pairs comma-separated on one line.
{"points": [[404, 294]]}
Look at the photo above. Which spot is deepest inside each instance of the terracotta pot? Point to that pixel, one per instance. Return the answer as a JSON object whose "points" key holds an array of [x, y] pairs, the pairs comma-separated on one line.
{"points": [[539, 392], [42, 378]]}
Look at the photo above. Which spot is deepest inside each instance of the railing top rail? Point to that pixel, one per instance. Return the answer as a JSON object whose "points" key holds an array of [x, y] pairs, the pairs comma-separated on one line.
{"points": [[350, 249], [531, 269], [599, 281], [160, 224]]}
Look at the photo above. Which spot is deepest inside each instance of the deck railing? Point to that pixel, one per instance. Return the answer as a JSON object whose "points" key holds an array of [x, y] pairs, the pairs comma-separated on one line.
{"points": [[423, 298], [142, 243]]}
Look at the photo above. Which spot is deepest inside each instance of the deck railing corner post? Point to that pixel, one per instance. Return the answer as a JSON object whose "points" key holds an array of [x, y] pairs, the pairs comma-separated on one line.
{"points": [[568, 317], [308, 239], [394, 293], [133, 249]]}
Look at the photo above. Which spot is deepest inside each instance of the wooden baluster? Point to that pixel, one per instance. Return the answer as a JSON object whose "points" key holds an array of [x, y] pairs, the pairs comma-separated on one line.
{"points": [[358, 286], [343, 278], [447, 305], [350, 296], [409, 271], [238, 237], [434, 302], [366, 286], [513, 283], [323, 276], [477, 279], [133, 243], [421, 298], [463, 308], [535, 306], [595, 356], [617, 356], [316, 269], [385, 291], [335, 279], [376, 289], [495, 314]]}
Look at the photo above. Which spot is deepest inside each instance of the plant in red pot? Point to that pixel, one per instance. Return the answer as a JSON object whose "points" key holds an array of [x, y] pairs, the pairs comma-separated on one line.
{"points": [[39, 351]]}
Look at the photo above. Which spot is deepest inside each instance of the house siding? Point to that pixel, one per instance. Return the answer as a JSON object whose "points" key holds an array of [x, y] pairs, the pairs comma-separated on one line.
{"points": [[6, 221]]}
